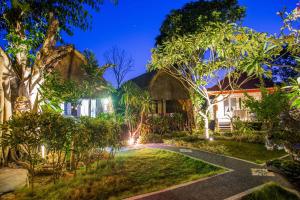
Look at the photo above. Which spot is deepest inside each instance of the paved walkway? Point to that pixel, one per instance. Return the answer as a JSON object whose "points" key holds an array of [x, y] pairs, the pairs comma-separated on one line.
{"points": [[223, 186]]}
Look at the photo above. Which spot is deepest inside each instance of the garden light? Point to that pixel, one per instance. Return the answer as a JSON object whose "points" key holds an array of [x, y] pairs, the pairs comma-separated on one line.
{"points": [[211, 139], [43, 151], [131, 141]]}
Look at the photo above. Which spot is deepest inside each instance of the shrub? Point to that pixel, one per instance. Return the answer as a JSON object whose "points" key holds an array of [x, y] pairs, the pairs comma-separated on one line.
{"points": [[58, 131], [150, 138], [288, 168], [23, 132], [165, 124], [269, 107]]}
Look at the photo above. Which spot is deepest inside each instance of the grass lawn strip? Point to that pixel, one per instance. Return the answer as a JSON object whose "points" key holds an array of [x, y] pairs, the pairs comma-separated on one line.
{"points": [[271, 191], [252, 152], [131, 173]]}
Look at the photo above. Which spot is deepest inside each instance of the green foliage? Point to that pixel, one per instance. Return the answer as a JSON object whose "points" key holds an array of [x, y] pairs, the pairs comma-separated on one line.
{"points": [[146, 138], [23, 132], [218, 46], [87, 137], [57, 133], [56, 89], [201, 59], [250, 151], [269, 107], [137, 103], [241, 127], [93, 136], [288, 168], [271, 191], [194, 16], [294, 95], [163, 124]]}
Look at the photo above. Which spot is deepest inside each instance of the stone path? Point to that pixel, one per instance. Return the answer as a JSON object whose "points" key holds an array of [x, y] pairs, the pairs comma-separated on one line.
{"points": [[239, 179], [12, 179]]}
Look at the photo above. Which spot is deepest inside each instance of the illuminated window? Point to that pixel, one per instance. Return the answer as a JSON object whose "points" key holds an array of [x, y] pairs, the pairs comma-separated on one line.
{"points": [[84, 107], [93, 107], [106, 104]]}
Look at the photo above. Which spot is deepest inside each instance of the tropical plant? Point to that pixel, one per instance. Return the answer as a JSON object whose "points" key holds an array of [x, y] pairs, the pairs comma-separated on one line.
{"points": [[137, 104], [291, 40], [268, 108], [203, 58]]}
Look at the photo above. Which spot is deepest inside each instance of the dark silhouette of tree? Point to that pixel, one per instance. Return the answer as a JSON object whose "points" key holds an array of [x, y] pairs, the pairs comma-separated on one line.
{"points": [[193, 17], [122, 63]]}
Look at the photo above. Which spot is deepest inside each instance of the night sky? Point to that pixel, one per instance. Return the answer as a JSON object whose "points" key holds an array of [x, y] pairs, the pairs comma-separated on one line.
{"points": [[133, 25]]}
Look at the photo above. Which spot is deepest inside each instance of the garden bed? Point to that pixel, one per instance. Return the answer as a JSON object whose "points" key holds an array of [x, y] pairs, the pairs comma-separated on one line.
{"points": [[253, 152], [131, 173]]}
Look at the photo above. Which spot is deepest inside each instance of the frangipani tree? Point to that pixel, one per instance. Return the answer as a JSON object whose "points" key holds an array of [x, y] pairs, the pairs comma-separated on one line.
{"points": [[202, 59]]}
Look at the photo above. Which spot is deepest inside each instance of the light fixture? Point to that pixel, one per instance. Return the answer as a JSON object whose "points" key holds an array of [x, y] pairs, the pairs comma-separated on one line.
{"points": [[43, 151], [131, 141]]}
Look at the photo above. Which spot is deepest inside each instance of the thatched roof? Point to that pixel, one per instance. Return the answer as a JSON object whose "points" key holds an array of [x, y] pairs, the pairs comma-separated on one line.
{"points": [[70, 68], [161, 86]]}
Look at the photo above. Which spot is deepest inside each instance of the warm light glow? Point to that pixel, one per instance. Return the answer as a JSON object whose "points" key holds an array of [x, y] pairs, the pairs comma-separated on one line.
{"points": [[211, 139], [105, 104], [131, 141], [43, 151]]}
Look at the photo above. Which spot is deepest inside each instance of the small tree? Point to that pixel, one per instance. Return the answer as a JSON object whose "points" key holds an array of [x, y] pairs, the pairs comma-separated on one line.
{"points": [[269, 107], [23, 133], [57, 139], [122, 64], [137, 104], [202, 59]]}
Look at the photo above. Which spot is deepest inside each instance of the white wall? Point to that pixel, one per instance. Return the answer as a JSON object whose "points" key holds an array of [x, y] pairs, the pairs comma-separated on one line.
{"points": [[223, 116]]}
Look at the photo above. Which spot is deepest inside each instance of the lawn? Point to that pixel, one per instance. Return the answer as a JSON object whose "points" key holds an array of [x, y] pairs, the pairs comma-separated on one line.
{"points": [[271, 191], [253, 152], [131, 173]]}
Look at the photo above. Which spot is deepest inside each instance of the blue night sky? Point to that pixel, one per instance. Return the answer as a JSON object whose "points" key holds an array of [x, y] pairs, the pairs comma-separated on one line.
{"points": [[133, 25]]}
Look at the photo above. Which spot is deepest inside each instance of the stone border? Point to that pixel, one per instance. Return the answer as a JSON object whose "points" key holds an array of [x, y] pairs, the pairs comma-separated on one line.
{"points": [[245, 193]]}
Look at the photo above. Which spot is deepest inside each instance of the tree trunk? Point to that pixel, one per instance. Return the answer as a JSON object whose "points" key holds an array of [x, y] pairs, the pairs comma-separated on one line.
{"points": [[5, 98], [206, 127]]}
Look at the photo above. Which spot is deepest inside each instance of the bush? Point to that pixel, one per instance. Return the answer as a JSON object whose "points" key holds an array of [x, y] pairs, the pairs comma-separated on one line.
{"points": [[165, 124], [150, 138], [288, 168], [271, 191]]}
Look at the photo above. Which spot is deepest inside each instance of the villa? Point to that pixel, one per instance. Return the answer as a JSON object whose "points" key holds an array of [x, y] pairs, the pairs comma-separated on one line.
{"points": [[230, 102], [169, 96], [70, 68]]}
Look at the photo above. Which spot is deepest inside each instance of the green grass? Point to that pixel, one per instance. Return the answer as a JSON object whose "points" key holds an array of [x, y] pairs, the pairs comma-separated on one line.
{"points": [[253, 152], [271, 191], [132, 173]]}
